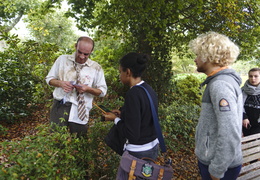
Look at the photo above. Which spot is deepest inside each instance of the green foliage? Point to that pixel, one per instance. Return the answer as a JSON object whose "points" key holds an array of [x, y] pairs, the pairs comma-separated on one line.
{"points": [[242, 67], [52, 27], [3, 130], [186, 88], [59, 155], [108, 52], [178, 122], [16, 86], [45, 156], [23, 67], [104, 161], [158, 26], [179, 119], [182, 60], [11, 12]]}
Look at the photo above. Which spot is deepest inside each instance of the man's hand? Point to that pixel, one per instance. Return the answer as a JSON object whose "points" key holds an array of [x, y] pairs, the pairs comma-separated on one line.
{"points": [[81, 88], [66, 86]]}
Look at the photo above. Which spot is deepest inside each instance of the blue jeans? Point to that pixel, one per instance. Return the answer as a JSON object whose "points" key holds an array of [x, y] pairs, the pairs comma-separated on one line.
{"points": [[230, 174]]}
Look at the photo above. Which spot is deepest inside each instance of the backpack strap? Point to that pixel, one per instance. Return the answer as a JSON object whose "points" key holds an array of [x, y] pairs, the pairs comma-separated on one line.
{"points": [[155, 120], [132, 171]]}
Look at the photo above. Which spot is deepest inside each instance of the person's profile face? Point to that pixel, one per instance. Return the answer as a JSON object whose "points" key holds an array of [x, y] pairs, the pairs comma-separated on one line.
{"points": [[83, 51], [254, 78], [201, 66], [124, 76]]}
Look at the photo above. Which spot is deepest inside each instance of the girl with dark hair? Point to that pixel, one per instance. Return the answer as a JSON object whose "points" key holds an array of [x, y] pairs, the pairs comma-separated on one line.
{"points": [[134, 120], [251, 96]]}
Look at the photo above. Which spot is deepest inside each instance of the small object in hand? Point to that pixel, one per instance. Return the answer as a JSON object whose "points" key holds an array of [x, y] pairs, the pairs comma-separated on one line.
{"points": [[77, 85], [101, 108], [104, 108], [74, 83]]}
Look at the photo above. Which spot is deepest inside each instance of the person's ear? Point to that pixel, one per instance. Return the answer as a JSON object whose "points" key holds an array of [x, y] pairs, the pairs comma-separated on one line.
{"points": [[128, 72], [76, 45]]}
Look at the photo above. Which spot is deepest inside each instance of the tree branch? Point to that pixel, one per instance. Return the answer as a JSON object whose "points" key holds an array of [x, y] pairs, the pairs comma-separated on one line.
{"points": [[15, 21]]}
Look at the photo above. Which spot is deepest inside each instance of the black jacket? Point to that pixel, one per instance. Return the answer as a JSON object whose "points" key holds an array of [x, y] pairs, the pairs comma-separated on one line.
{"points": [[136, 117]]}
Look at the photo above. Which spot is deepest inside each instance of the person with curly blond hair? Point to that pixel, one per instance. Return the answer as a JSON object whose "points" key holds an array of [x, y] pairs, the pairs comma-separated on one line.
{"points": [[219, 128]]}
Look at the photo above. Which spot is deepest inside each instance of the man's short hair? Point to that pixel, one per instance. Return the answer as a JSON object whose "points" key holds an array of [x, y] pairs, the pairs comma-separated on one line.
{"points": [[86, 39]]}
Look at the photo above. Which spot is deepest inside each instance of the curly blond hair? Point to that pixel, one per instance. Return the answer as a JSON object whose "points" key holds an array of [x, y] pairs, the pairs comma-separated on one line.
{"points": [[215, 48]]}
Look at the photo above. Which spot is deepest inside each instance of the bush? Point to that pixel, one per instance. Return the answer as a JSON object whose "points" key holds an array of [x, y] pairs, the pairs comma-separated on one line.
{"points": [[16, 89], [178, 123], [187, 89], [45, 156], [23, 67], [104, 161], [179, 119], [59, 155]]}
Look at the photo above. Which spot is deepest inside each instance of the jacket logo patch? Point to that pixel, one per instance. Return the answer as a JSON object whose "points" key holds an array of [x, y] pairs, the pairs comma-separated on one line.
{"points": [[224, 105]]}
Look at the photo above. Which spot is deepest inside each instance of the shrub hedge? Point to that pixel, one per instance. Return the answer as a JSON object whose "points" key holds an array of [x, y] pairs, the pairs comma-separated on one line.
{"points": [[59, 155]]}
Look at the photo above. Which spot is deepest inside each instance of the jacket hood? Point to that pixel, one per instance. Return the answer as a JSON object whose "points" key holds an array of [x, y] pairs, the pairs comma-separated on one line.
{"points": [[229, 72]]}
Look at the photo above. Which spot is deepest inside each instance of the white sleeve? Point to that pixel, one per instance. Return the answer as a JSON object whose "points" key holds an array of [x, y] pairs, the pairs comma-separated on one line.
{"points": [[53, 73], [100, 83]]}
